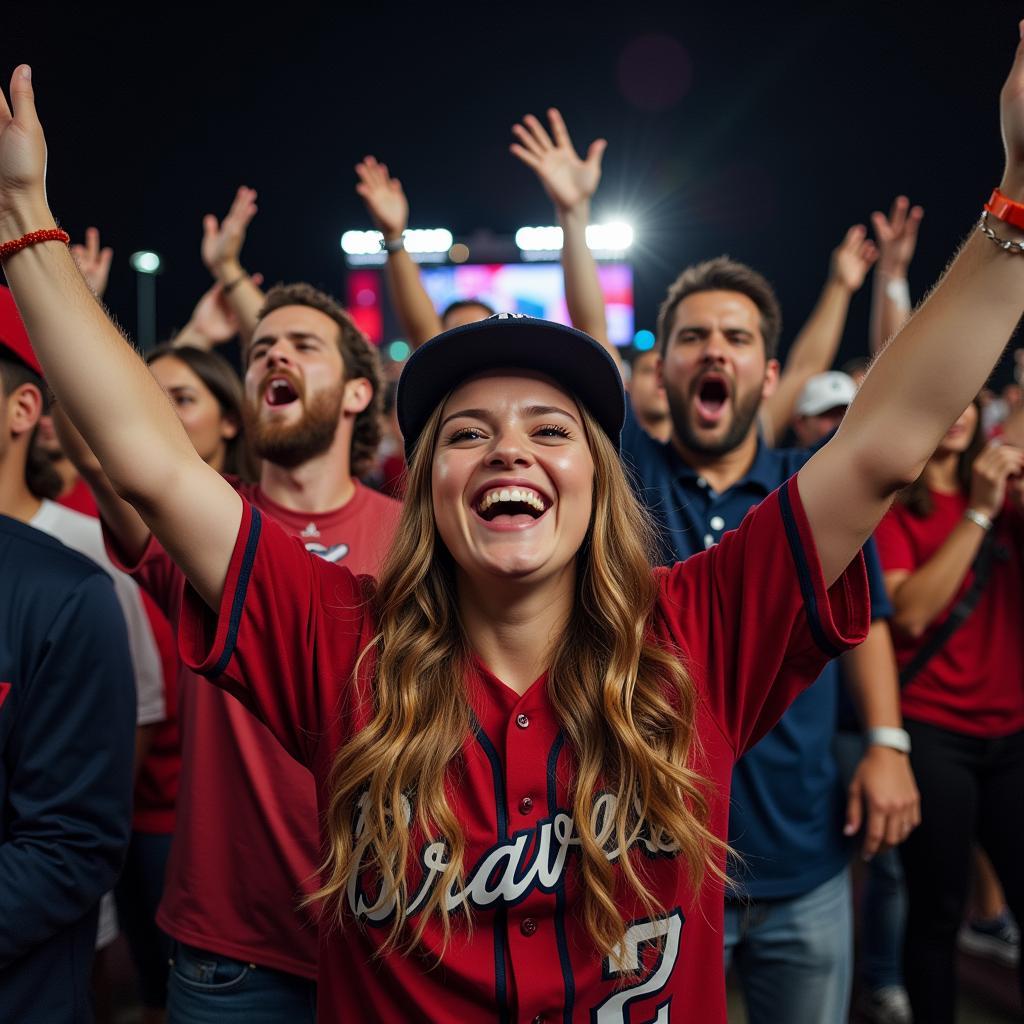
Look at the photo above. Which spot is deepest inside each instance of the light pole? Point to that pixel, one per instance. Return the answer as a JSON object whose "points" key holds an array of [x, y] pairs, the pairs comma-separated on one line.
{"points": [[146, 265]]}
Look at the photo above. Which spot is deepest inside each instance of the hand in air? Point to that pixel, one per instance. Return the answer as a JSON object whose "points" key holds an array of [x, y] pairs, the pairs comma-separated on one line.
{"points": [[1011, 111], [93, 262], [22, 158], [568, 180], [223, 241], [853, 258], [897, 236], [385, 200]]}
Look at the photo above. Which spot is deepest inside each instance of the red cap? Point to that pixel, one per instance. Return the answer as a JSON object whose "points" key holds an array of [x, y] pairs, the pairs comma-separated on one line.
{"points": [[13, 336]]}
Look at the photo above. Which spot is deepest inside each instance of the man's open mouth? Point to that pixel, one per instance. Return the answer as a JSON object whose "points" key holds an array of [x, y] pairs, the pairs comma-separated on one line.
{"points": [[280, 391], [712, 398]]}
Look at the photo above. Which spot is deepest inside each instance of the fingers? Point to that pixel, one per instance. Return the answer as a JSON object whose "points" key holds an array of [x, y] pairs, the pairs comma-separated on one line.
{"points": [[898, 213], [92, 243], [525, 155], [538, 131], [854, 809], [23, 99], [106, 255], [558, 129], [243, 208], [875, 833], [596, 152], [529, 141]]}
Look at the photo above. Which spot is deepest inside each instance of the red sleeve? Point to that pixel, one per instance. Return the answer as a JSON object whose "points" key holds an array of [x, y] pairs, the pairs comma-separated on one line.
{"points": [[893, 542], [154, 571], [285, 638], [755, 620]]}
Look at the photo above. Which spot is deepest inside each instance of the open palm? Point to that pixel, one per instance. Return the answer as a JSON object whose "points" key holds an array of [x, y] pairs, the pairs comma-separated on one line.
{"points": [[22, 148], [385, 200], [567, 179]]}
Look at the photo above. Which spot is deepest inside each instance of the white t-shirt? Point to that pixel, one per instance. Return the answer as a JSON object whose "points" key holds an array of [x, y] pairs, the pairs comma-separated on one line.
{"points": [[84, 534]]}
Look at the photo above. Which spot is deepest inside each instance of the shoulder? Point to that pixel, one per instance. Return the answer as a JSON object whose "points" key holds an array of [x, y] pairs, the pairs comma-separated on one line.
{"points": [[35, 555], [378, 504]]}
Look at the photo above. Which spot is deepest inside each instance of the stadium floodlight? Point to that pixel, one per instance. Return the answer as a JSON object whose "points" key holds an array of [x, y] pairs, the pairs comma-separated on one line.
{"points": [[417, 240], [616, 236], [539, 239], [643, 341], [145, 262]]}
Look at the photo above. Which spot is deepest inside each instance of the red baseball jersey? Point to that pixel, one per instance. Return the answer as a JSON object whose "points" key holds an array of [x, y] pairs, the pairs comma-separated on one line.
{"points": [[754, 623], [245, 848]]}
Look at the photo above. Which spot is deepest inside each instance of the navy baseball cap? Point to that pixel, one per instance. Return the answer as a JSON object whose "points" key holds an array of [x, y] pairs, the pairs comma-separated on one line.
{"points": [[571, 358]]}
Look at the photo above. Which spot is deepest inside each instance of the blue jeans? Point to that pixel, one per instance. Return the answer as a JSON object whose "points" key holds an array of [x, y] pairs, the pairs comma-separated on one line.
{"points": [[884, 901], [794, 958], [207, 988]]}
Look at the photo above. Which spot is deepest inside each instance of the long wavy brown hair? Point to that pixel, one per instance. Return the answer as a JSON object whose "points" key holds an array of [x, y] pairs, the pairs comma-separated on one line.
{"points": [[625, 703]]}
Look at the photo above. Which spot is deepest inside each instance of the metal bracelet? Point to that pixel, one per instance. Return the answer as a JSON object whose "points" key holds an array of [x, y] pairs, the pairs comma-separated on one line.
{"points": [[1007, 244], [979, 518], [392, 244]]}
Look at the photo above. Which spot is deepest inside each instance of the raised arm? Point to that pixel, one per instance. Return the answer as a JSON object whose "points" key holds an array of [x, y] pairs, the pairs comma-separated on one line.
{"points": [[926, 376], [814, 348], [389, 210], [221, 250], [890, 292], [213, 322], [99, 379], [570, 183]]}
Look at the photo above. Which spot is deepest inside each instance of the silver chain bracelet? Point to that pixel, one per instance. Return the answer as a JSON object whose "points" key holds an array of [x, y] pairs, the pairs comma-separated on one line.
{"points": [[1017, 248]]}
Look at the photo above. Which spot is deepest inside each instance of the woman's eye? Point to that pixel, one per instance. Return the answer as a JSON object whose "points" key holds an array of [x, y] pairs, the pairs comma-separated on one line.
{"points": [[465, 434], [552, 430]]}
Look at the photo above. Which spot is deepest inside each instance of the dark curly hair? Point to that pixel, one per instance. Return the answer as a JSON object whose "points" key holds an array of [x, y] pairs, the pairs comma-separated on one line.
{"points": [[40, 476], [359, 359]]}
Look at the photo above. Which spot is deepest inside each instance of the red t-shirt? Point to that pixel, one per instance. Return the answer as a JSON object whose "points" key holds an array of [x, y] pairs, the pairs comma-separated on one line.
{"points": [[80, 499], [245, 849], [974, 684], [754, 622]]}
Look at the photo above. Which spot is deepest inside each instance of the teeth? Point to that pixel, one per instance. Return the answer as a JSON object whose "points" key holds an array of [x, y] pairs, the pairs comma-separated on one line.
{"points": [[515, 494]]}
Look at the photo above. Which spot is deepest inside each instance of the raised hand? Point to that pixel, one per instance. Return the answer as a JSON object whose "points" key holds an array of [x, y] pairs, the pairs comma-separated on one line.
{"points": [[223, 241], [93, 262], [1011, 111], [568, 180], [385, 200], [853, 258], [897, 236], [22, 160]]}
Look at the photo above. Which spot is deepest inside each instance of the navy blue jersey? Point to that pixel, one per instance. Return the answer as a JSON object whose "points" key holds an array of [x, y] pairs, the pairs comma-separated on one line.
{"points": [[67, 726], [786, 820]]}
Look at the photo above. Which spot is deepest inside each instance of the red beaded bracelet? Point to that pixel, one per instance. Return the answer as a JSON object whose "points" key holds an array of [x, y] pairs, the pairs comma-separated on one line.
{"points": [[1005, 209], [33, 238]]}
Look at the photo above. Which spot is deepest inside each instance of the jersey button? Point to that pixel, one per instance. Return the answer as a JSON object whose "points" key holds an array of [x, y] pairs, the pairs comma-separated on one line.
{"points": [[528, 926], [526, 805], [522, 721], [717, 522]]}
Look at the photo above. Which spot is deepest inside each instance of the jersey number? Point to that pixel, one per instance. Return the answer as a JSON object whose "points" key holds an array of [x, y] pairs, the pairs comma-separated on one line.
{"points": [[615, 1009]]}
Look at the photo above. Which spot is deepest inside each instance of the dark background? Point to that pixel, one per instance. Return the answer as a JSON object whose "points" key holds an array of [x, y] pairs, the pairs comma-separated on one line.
{"points": [[762, 131]]}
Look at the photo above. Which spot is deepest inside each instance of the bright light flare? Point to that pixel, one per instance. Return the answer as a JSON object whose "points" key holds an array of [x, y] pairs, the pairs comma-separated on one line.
{"points": [[615, 236], [145, 262]]}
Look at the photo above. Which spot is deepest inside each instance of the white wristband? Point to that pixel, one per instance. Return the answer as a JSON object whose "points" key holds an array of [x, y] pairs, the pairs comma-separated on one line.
{"points": [[888, 736], [982, 520], [897, 290]]}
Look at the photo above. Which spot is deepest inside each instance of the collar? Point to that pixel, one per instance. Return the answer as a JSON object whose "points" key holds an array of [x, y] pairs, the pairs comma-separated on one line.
{"points": [[763, 473]]}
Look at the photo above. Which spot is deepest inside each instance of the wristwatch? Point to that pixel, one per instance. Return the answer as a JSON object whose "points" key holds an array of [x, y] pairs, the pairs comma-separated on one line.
{"points": [[888, 736], [392, 244]]}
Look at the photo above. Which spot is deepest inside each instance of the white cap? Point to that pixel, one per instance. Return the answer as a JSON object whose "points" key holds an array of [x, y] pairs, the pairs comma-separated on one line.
{"points": [[825, 391]]}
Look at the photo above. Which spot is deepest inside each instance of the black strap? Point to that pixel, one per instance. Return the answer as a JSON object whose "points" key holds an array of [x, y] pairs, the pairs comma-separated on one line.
{"points": [[982, 567]]}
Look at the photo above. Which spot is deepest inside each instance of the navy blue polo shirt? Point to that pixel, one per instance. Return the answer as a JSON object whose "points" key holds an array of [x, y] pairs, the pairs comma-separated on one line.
{"points": [[67, 737], [788, 806]]}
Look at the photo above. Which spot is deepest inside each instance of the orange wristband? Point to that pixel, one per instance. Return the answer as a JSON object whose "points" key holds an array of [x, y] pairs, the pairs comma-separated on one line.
{"points": [[1006, 209], [45, 235]]}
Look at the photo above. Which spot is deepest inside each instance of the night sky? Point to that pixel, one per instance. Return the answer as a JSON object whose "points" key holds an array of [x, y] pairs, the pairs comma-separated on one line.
{"points": [[761, 131]]}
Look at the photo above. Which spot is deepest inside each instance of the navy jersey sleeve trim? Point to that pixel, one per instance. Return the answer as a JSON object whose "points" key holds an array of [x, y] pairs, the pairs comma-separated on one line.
{"points": [[803, 572], [241, 586], [500, 916]]}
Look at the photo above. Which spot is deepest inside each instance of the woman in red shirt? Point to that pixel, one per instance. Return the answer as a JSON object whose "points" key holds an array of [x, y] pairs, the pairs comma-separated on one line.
{"points": [[964, 705]]}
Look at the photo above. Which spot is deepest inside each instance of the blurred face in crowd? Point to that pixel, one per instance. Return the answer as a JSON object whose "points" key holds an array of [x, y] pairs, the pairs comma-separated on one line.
{"points": [[465, 315], [960, 435], [512, 477], [294, 385], [810, 430], [715, 371], [646, 392], [197, 407], [46, 438]]}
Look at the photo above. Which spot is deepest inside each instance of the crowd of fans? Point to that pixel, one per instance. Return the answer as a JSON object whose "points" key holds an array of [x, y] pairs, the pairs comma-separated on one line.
{"points": [[905, 757]]}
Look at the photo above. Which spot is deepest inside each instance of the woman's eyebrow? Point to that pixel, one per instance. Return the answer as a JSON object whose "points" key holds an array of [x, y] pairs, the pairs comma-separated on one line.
{"points": [[548, 410], [473, 414]]}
